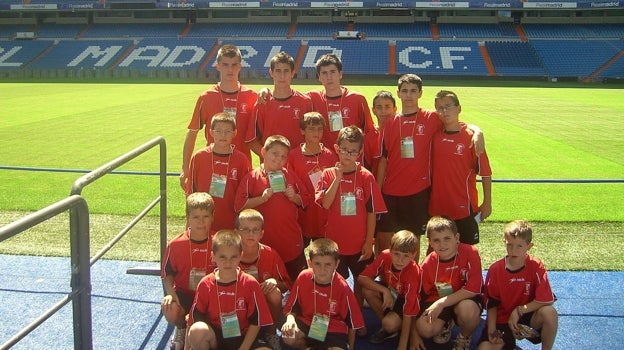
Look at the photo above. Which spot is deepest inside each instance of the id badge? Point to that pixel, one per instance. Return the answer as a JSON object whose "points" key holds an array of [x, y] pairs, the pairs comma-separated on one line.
{"points": [[444, 289], [229, 325], [395, 296], [347, 204], [231, 111], [407, 147], [318, 328], [276, 181], [217, 185], [335, 121], [194, 277]]}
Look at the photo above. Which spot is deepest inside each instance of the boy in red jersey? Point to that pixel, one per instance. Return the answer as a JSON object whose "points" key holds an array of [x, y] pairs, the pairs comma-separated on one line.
{"points": [[282, 111], [451, 287], [227, 96], [404, 168], [321, 310], [263, 263], [455, 167], [278, 194], [352, 197], [308, 161], [229, 307], [187, 259], [395, 298], [218, 169], [519, 297], [340, 106]]}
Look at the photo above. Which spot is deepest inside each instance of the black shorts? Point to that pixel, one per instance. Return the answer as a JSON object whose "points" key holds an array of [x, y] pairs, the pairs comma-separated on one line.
{"points": [[405, 213], [448, 312], [235, 342], [468, 230], [508, 338], [186, 301], [350, 262], [398, 304], [295, 266], [332, 340]]}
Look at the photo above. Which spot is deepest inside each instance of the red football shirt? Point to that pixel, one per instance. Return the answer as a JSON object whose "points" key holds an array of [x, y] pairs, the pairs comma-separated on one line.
{"points": [[268, 265], [213, 101], [462, 272], [455, 167], [510, 289], [233, 167], [335, 299], [349, 231], [405, 282]]}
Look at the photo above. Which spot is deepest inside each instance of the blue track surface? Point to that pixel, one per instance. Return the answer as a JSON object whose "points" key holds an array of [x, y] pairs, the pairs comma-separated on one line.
{"points": [[126, 308]]}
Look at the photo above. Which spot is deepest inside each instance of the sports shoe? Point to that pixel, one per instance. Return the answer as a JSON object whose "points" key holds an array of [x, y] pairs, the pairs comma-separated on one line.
{"points": [[273, 340], [381, 336], [177, 341], [444, 336], [462, 343]]}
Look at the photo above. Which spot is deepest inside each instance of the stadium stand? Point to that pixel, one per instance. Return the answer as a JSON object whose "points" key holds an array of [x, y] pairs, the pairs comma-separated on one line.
{"points": [[514, 58], [134, 30], [242, 30], [440, 58], [395, 30], [55, 30], [476, 30]]}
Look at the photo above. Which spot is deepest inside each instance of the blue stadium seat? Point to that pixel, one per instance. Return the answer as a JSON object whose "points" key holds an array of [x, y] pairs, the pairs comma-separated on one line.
{"points": [[514, 58], [575, 58]]}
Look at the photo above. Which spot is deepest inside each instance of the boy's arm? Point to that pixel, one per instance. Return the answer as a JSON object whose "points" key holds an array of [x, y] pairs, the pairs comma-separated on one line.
{"points": [[520, 310], [478, 141], [351, 337], [493, 336], [189, 146], [406, 327], [330, 193], [369, 283], [289, 327], [381, 171], [486, 206], [367, 249], [255, 146], [436, 308], [416, 342], [254, 202], [250, 337]]}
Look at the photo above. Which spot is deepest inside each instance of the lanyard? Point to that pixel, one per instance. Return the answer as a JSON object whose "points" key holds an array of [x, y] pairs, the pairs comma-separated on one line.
{"points": [[219, 294], [331, 291]]}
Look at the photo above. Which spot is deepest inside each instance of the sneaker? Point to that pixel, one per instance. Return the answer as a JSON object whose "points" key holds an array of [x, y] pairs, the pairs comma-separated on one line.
{"points": [[444, 336], [381, 336], [177, 341], [273, 341], [462, 343]]}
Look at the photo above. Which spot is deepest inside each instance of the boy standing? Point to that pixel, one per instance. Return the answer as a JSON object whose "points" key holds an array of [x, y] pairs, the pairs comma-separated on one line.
{"points": [[395, 299], [283, 110], [308, 161], [321, 310], [218, 169], [451, 286], [353, 199], [519, 297], [455, 167], [340, 106], [404, 167], [186, 260], [229, 307], [278, 194], [263, 263], [227, 96]]}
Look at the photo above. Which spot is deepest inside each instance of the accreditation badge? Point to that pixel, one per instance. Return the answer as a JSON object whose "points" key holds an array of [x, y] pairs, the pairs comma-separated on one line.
{"points": [[229, 325], [335, 121], [407, 147], [444, 289], [195, 275], [217, 185], [347, 204], [319, 326], [277, 181]]}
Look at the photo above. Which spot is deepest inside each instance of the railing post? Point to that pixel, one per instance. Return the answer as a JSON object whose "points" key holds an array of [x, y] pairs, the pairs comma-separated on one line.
{"points": [[81, 277], [163, 199]]}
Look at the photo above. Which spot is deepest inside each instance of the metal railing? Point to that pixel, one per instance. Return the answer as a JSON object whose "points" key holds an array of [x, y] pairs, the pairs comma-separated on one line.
{"points": [[81, 260]]}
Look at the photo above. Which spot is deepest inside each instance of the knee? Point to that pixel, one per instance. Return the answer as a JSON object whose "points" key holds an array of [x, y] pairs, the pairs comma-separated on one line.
{"points": [[548, 314], [200, 333]]}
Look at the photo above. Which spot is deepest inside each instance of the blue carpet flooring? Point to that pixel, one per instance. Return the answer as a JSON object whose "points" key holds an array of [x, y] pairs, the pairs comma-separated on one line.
{"points": [[126, 308]]}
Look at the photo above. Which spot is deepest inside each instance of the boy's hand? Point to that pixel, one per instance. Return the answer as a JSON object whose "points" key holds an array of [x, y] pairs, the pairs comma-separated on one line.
{"points": [[433, 311], [387, 299], [367, 251], [485, 210], [264, 95], [269, 286], [478, 141], [289, 328], [267, 194], [495, 337], [290, 192], [513, 324], [339, 170], [416, 343], [183, 179], [168, 300]]}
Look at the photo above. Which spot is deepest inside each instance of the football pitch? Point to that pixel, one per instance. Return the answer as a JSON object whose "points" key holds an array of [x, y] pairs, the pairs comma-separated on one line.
{"points": [[544, 140]]}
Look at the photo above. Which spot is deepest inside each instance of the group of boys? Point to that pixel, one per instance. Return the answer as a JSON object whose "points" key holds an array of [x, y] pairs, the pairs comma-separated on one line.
{"points": [[372, 189]]}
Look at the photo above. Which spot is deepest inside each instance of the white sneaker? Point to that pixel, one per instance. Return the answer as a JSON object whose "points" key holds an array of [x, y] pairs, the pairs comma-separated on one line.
{"points": [[177, 341], [444, 336], [462, 343]]}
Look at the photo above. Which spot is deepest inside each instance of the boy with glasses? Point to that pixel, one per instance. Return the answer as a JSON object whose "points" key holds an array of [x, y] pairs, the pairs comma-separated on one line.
{"points": [[350, 194]]}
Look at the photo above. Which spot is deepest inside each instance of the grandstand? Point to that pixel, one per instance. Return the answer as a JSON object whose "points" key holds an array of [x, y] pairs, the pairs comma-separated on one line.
{"points": [[574, 40]]}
